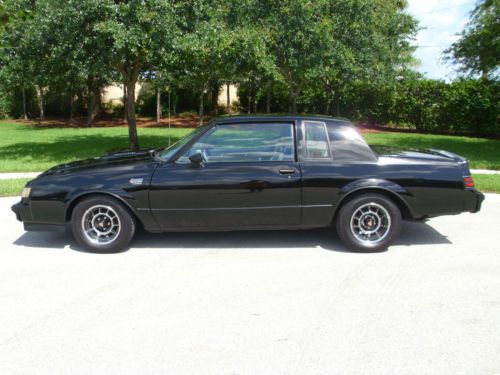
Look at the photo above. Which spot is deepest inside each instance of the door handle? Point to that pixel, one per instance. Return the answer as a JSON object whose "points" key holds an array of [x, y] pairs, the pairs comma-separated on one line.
{"points": [[287, 171]]}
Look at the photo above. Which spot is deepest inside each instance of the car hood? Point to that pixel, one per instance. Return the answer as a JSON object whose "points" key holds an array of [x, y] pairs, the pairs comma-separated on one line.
{"points": [[114, 159]]}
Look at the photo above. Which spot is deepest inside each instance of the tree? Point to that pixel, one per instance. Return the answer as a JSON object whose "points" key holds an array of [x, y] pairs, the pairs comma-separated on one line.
{"points": [[141, 35], [323, 46], [91, 42], [478, 49]]}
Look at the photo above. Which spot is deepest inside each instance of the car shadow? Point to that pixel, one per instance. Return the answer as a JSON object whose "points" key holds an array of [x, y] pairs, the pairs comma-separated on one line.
{"points": [[413, 233]]}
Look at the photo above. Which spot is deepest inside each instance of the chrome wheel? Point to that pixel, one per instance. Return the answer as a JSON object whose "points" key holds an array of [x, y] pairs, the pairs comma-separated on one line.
{"points": [[370, 223], [101, 224]]}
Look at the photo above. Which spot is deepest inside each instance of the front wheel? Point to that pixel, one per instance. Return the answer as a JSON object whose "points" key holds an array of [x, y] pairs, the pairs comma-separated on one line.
{"points": [[102, 225], [369, 222]]}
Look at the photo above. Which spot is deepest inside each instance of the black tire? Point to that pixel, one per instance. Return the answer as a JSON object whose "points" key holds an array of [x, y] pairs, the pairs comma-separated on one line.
{"points": [[357, 211], [119, 217]]}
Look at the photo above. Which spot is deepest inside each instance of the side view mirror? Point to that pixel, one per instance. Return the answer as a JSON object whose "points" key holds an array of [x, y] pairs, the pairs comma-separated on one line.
{"points": [[196, 158]]}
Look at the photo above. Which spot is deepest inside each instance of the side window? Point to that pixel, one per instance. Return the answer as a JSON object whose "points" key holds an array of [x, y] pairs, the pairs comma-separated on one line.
{"points": [[315, 143], [245, 143]]}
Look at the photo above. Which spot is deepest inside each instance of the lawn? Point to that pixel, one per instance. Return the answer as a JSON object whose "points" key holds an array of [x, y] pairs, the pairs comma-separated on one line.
{"points": [[13, 187], [482, 153], [27, 148]]}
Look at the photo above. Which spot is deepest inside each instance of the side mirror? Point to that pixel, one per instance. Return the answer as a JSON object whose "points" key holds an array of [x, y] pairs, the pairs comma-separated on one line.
{"points": [[196, 158]]}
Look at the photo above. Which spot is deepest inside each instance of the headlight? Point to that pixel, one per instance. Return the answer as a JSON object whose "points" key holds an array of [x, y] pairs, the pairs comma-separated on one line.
{"points": [[26, 193]]}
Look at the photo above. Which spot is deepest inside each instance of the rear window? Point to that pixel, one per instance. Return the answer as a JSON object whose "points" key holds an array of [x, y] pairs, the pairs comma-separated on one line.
{"points": [[347, 145]]}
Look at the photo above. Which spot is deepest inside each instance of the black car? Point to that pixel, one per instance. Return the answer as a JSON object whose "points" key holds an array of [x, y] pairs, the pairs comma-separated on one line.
{"points": [[251, 172]]}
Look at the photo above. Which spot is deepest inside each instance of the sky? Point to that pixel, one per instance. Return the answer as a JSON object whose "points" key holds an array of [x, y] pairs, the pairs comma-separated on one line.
{"points": [[440, 21]]}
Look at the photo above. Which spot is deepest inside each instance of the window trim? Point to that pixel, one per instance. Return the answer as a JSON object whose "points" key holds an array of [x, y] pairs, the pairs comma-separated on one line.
{"points": [[303, 153], [212, 129]]}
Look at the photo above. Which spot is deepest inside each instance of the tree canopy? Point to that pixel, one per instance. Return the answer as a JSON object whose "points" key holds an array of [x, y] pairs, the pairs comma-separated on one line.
{"points": [[311, 47], [478, 49]]}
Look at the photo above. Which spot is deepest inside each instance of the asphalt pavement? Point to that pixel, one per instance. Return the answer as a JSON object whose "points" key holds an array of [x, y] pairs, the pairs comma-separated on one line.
{"points": [[277, 302]]}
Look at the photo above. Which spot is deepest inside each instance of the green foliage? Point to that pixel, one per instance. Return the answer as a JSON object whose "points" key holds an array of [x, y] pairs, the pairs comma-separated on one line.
{"points": [[345, 57], [478, 49], [463, 106]]}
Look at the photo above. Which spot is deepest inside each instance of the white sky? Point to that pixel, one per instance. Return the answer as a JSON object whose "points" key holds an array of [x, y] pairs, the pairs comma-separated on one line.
{"points": [[440, 21]]}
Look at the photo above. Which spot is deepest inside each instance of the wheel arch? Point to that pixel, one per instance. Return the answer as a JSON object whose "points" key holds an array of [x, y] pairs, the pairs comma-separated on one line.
{"points": [[77, 199], [403, 206]]}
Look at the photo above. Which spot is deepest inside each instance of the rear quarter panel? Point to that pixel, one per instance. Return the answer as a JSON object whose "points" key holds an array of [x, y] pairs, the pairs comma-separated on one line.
{"points": [[427, 189]]}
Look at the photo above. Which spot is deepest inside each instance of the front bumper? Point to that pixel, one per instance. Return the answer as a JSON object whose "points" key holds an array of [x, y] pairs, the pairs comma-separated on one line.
{"points": [[18, 210], [23, 214]]}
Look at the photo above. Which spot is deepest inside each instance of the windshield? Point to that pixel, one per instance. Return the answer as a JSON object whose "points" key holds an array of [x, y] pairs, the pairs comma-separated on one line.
{"points": [[167, 153]]}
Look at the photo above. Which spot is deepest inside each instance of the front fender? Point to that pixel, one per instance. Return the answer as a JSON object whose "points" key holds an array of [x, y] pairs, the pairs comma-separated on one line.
{"points": [[136, 202]]}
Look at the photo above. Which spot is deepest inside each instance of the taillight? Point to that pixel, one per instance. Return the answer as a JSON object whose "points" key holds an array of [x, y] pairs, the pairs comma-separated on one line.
{"points": [[468, 182]]}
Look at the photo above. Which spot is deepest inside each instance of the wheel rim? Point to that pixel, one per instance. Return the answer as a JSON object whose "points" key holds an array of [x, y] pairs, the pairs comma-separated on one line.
{"points": [[370, 223], [101, 224]]}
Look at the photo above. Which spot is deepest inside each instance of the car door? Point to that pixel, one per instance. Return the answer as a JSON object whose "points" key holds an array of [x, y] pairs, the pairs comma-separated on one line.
{"points": [[249, 177]]}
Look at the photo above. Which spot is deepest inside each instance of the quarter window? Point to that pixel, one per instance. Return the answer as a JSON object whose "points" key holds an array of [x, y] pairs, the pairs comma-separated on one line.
{"points": [[245, 143], [315, 140]]}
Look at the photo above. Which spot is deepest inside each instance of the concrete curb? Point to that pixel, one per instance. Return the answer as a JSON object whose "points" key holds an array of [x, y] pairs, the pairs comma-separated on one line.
{"points": [[9, 176]]}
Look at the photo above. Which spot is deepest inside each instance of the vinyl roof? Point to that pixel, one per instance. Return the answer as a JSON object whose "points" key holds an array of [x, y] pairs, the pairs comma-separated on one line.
{"points": [[279, 117]]}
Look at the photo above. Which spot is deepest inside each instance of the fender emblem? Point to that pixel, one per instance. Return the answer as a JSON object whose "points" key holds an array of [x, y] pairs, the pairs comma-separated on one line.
{"points": [[136, 181]]}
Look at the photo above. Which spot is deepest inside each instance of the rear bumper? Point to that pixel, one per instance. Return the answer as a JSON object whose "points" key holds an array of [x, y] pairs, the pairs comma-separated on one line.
{"points": [[479, 198]]}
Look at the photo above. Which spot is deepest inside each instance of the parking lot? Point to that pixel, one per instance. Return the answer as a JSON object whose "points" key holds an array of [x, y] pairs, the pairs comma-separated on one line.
{"points": [[272, 302]]}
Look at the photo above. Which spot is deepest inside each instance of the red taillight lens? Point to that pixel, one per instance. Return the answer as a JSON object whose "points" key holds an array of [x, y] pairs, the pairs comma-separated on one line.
{"points": [[468, 182]]}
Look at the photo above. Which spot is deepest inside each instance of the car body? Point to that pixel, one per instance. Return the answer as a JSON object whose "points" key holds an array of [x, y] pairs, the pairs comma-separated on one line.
{"points": [[254, 172]]}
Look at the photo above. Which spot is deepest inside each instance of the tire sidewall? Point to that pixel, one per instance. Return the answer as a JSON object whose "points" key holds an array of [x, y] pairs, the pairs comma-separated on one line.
{"points": [[343, 223], [127, 223]]}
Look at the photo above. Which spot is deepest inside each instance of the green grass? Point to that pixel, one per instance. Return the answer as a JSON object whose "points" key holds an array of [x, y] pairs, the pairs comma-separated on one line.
{"points": [[487, 183], [26, 148], [482, 153], [13, 187]]}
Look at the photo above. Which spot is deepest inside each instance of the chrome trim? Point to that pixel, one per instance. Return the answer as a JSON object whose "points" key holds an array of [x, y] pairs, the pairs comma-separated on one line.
{"points": [[234, 208]]}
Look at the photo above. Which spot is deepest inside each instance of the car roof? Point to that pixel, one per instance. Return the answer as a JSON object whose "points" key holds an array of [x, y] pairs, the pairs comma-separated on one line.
{"points": [[279, 117]]}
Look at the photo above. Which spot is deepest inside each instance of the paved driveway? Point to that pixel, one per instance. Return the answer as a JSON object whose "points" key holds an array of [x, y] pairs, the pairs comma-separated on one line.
{"points": [[254, 303]]}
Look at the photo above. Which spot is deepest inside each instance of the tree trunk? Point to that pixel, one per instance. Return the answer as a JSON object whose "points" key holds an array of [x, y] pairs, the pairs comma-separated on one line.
{"points": [[215, 99], [201, 108], [25, 116], [228, 98], [249, 101], [71, 107], [39, 91], [268, 99], [292, 107], [124, 103], [98, 109], [158, 105], [130, 112], [90, 101]]}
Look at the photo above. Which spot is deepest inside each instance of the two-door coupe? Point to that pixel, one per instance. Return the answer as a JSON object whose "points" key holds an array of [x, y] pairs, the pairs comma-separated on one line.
{"points": [[251, 172]]}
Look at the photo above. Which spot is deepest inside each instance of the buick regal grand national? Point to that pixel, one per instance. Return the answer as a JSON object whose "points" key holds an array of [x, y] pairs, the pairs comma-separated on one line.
{"points": [[251, 173]]}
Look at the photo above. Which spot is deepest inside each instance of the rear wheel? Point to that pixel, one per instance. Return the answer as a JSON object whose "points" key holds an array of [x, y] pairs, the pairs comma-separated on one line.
{"points": [[369, 222], [102, 224]]}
